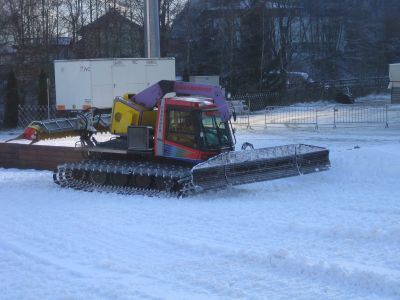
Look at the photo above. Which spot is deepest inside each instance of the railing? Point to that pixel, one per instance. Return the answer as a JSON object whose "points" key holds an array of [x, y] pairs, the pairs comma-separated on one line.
{"points": [[243, 120], [395, 95], [332, 115], [360, 114]]}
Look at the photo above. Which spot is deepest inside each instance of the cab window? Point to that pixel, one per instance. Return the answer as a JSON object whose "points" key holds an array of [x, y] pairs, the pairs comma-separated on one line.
{"points": [[181, 128], [215, 133]]}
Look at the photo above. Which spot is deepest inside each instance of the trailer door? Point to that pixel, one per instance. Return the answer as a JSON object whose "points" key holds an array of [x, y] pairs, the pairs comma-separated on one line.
{"points": [[102, 84], [72, 84]]}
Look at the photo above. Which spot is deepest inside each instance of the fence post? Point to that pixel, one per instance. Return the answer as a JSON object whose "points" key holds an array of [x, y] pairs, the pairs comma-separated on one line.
{"points": [[248, 115], [387, 118], [334, 116], [48, 97], [19, 123], [316, 118], [265, 117]]}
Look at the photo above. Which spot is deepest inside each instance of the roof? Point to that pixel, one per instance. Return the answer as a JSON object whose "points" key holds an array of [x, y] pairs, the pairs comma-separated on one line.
{"points": [[111, 17]]}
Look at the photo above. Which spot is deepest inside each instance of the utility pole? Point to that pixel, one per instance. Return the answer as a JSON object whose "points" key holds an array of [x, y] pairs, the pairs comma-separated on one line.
{"points": [[151, 29]]}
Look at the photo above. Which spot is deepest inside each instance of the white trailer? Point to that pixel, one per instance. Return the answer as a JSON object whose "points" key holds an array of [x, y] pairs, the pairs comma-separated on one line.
{"points": [[394, 75], [211, 80], [85, 83], [394, 85]]}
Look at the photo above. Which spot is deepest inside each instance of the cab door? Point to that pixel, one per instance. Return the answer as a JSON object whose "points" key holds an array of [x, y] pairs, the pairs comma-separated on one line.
{"points": [[181, 135]]}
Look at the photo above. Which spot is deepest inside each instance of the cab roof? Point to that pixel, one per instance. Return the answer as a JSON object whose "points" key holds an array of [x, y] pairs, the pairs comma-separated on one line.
{"points": [[191, 101]]}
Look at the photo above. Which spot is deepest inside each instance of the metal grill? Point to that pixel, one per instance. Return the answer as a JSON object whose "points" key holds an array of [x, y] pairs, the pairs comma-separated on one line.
{"points": [[360, 114], [281, 115], [30, 113], [241, 167]]}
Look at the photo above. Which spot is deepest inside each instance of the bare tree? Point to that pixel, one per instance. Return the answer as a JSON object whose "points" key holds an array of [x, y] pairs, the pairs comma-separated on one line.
{"points": [[73, 17], [4, 25]]}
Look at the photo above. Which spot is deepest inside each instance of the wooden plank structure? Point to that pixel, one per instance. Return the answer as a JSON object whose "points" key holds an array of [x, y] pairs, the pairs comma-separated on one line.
{"points": [[40, 157]]}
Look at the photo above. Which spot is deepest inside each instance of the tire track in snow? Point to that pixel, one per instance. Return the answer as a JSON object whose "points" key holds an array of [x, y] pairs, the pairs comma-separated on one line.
{"points": [[374, 234], [85, 281], [361, 278]]}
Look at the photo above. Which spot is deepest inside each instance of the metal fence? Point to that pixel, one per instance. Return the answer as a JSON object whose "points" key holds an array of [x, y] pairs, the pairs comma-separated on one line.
{"points": [[315, 91], [30, 113], [332, 115], [291, 115], [316, 116], [360, 114], [395, 95], [242, 120], [259, 101]]}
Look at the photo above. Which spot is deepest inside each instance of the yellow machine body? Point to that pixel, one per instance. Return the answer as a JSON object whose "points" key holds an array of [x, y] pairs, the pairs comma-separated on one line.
{"points": [[126, 113]]}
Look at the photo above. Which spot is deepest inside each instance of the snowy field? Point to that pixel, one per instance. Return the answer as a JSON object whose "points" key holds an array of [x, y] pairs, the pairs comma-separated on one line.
{"points": [[329, 235]]}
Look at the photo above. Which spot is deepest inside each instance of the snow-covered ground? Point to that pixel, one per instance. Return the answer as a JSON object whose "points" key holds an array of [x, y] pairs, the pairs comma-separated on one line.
{"points": [[329, 235]]}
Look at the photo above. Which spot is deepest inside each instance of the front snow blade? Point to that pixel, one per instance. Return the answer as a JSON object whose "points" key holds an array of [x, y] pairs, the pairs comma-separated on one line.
{"points": [[241, 167]]}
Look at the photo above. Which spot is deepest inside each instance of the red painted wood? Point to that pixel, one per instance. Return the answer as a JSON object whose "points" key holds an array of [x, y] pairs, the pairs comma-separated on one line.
{"points": [[36, 156]]}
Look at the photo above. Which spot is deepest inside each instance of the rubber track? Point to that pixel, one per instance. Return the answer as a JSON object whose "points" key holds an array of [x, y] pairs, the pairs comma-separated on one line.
{"points": [[63, 177]]}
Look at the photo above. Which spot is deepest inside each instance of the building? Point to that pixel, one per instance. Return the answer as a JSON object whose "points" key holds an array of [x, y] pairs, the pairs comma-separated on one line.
{"points": [[110, 36]]}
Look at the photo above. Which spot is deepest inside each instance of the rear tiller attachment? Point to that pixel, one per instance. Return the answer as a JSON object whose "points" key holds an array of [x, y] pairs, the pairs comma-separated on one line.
{"points": [[235, 168]]}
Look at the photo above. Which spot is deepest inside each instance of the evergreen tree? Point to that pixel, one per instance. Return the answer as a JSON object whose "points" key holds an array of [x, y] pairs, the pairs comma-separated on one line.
{"points": [[42, 93], [12, 102]]}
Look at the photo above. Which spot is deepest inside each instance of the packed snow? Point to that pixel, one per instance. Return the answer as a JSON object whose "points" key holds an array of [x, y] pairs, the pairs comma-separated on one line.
{"points": [[327, 235]]}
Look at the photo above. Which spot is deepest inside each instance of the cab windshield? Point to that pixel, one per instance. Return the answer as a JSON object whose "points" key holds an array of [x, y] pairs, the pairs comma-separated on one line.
{"points": [[214, 134]]}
